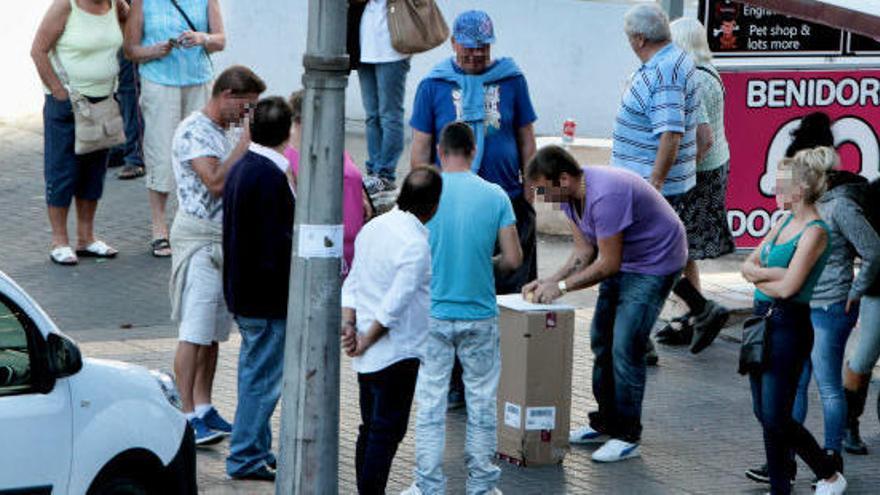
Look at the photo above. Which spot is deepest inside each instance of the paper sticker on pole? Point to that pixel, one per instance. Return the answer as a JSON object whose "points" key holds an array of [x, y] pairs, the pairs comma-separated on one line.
{"points": [[761, 110], [319, 241]]}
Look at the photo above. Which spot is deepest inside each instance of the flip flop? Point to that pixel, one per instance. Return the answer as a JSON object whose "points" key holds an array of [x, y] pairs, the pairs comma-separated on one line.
{"points": [[63, 255], [130, 172], [97, 249], [160, 245]]}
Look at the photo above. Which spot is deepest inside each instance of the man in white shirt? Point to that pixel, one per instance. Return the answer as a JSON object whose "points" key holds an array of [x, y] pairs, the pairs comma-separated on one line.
{"points": [[385, 308], [382, 74]]}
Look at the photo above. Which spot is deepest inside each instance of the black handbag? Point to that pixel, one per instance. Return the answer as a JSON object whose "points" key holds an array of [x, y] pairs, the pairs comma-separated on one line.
{"points": [[754, 351]]}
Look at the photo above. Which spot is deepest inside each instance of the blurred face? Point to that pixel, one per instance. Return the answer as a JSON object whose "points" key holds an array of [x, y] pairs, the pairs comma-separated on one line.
{"points": [[787, 192], [472, 60], [296, 134], [234, 108], [560, 191]]}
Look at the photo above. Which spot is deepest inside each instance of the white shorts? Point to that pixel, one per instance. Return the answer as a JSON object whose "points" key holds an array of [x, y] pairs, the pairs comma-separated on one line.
{"points": [[163, 107], [204, 317]]}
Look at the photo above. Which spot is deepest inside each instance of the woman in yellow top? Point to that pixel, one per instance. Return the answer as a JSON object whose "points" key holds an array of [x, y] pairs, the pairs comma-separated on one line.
{"points": [[85, 36]]}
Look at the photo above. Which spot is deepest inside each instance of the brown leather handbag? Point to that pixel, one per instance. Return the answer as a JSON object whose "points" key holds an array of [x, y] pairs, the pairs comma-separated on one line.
{"points": [[416, 26]]}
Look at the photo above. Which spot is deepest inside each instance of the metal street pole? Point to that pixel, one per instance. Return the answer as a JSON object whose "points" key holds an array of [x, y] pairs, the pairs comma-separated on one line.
{"points": [[310, 404]]}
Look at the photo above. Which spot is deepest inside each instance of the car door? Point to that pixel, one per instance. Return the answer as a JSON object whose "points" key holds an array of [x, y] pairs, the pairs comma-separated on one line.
{"points": [[35, 424]]}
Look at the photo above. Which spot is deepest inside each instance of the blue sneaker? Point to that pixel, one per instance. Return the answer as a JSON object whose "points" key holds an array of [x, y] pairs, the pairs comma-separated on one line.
{"points": [[586, 435], [204, 435], [616, 450], [214, 421]]}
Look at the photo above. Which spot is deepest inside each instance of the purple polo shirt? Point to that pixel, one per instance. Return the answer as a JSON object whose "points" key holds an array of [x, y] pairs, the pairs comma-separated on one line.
{"points": [[617, 200]]}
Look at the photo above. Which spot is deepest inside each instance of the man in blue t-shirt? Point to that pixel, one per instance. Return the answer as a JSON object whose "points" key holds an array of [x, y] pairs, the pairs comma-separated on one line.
{"points": [[493, 98], [472, 217]]}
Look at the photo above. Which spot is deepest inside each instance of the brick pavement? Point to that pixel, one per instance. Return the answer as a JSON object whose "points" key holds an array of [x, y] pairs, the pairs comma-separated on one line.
{"points": [[699, 431]]}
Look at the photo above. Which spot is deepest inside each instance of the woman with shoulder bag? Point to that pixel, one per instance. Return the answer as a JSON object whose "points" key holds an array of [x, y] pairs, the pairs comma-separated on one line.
{"points": [[785, 269], [171, 40], [74, 51]]}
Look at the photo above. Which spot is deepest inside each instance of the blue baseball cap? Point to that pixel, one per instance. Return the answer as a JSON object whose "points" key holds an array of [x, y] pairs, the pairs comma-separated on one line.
{"points": [[473, 29]]}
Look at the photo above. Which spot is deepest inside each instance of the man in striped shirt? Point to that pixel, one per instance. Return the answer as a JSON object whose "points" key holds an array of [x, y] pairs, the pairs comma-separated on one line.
{"points": [[660, 130], [655, 130]]}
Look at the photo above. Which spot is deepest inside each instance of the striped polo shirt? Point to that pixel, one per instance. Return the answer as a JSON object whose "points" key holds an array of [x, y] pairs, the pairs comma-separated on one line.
{"points": [[662, 96]]}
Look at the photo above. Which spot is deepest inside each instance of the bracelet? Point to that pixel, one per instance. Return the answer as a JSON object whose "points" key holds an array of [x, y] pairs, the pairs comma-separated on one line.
{"points": [[207, 39]]}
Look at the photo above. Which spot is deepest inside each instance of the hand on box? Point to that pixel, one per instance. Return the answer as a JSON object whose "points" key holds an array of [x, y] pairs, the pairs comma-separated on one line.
{"points": [[528, 290], [546, 293]]}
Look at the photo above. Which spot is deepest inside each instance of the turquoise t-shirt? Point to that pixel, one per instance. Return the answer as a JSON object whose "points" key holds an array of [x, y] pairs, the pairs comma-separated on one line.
{"points": [[775, 255], [462, 236], [183, 66]]}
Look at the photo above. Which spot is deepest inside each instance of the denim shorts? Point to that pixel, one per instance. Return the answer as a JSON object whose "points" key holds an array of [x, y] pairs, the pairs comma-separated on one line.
{"points": [[67, 174]]}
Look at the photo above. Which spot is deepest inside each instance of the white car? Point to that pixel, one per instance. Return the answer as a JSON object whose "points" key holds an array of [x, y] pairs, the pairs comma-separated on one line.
{"points": [[92, 426]]}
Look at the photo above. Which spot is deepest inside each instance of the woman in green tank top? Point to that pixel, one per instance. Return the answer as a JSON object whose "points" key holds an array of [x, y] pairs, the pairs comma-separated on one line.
{"points": [[785, 269]]}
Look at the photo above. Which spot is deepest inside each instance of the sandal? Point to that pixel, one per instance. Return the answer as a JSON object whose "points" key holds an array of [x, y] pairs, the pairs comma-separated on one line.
{"points": [[678, 331], [159, 245], [97, 249], [63, 255], [130, 172]]}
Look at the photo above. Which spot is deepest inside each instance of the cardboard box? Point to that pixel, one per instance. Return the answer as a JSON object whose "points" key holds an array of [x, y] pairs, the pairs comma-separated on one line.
{"points": [[534, 393]]}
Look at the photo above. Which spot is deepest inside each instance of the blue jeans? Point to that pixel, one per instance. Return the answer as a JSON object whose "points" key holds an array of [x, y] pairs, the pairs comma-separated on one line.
{"points": [[477, 346], [260, 367], [127, 95], [627, 308], [867, 351], [832, 326], [382, 91], [790, 339], [386, 399]]}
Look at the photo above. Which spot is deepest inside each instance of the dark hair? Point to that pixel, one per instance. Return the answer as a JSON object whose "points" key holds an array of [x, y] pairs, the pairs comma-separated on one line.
{"points": [[550, 162], [271, 122], [420, 192], [296, 105], [239, 80], [457, 138], [813, 131]]}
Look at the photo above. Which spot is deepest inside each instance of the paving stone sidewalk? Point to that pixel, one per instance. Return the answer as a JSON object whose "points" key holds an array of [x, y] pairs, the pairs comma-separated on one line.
{"points": [[699, 430]]}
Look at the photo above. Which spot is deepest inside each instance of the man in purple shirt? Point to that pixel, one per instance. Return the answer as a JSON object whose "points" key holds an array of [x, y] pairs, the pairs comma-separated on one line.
{"points": [[630, 241]]}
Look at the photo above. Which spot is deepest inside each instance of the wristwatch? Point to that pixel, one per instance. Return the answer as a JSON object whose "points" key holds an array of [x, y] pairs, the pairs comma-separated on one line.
{"points": [[563, 288]]}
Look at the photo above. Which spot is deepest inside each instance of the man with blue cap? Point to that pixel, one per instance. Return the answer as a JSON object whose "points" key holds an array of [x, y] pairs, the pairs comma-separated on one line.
{"points": [[493, 98]]}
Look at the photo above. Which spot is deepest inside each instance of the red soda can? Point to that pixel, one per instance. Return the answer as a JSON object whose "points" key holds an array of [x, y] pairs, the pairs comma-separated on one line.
{"points": [[568, 130]]}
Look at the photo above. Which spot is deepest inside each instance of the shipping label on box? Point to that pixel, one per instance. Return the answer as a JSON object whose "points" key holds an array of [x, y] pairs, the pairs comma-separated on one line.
{"points": [[540, 418], [512, 415]]}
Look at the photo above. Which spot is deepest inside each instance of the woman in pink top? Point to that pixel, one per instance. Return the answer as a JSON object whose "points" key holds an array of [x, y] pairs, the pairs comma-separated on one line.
{"points": [[356, 207]]}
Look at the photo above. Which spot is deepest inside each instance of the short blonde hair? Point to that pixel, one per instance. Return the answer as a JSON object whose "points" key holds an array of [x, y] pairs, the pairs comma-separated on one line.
{"points": [[690, 35], [810, 169]]}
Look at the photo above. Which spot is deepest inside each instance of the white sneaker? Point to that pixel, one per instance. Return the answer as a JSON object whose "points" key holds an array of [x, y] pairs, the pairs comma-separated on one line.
{"points": [[412, 490], [586, 435], [836, 487], [616, 450]]}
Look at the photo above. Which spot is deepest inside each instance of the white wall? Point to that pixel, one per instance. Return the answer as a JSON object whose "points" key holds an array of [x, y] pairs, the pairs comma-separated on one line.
{"points": [[573, 52]]}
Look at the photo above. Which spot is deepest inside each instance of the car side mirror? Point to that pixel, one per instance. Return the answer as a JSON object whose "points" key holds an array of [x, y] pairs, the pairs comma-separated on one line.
{"points": [[64, 357]]}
